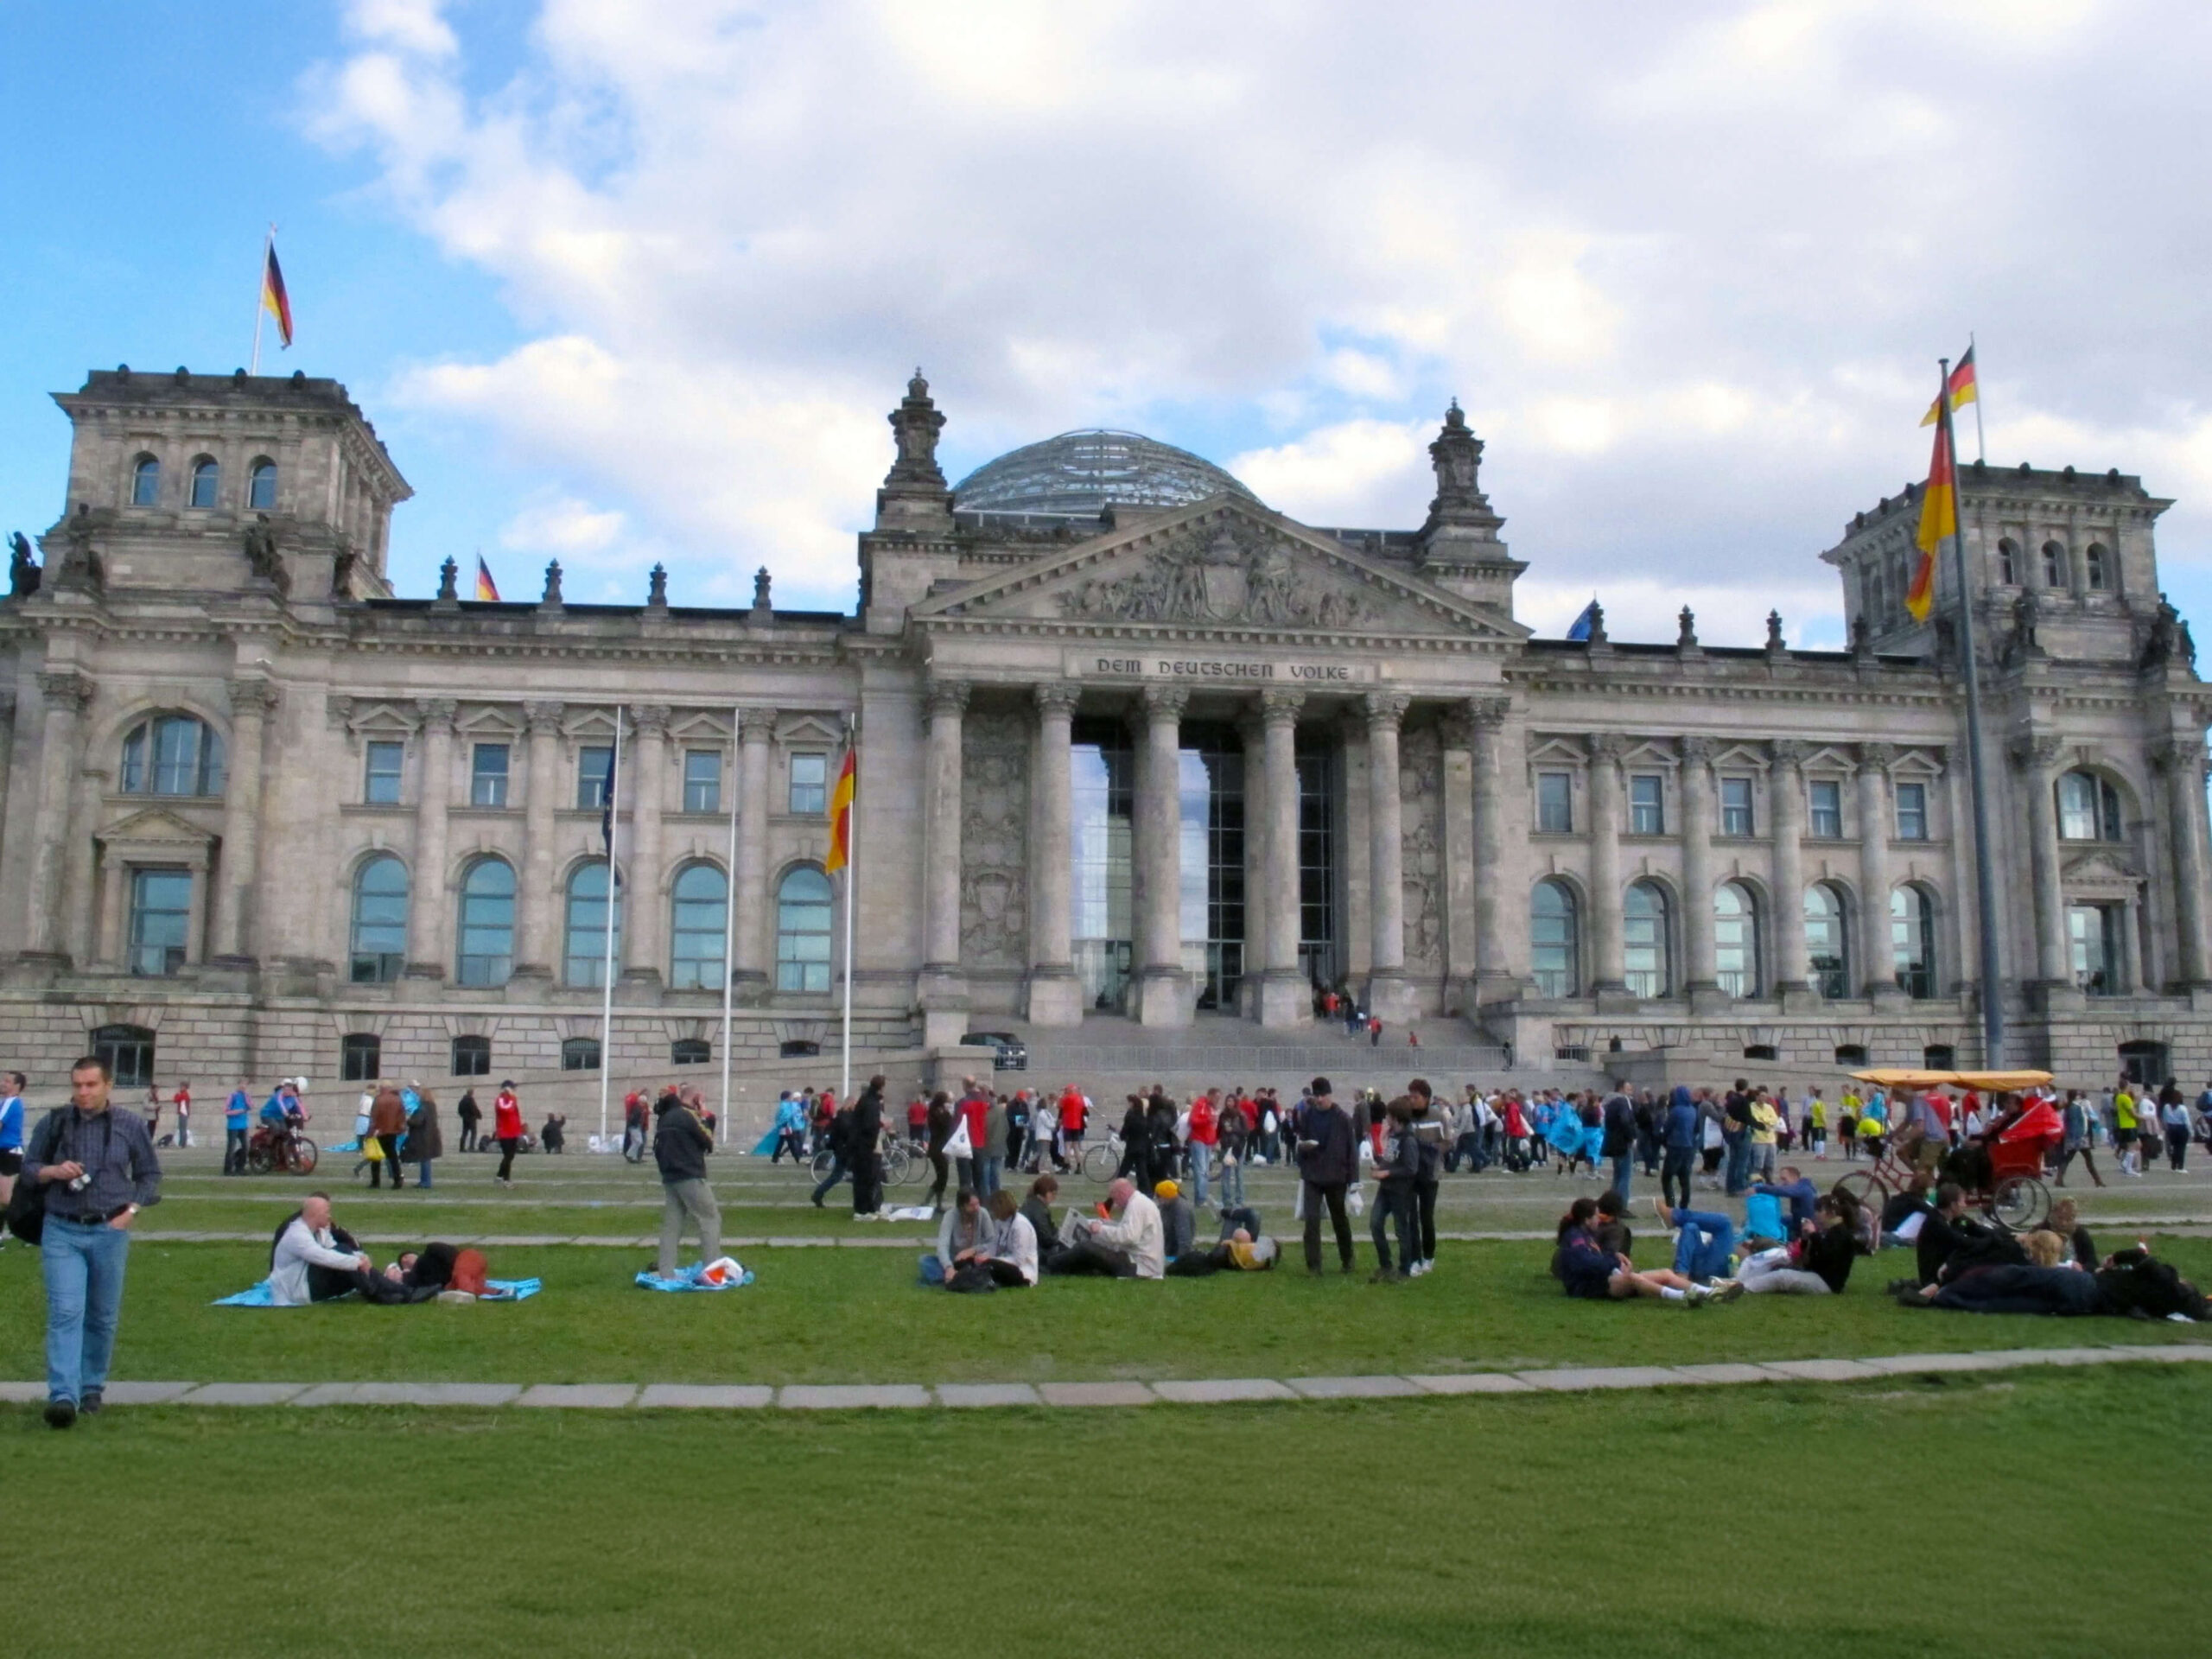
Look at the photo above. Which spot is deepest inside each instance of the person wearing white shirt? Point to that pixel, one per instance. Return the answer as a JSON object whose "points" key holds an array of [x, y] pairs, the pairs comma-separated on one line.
{"points": [[1133, 1245], [308, 1241], [1011, 1256]]}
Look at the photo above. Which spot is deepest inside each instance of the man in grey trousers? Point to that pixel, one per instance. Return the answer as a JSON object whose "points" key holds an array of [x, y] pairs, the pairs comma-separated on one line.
{"points": [[681, 1145]]}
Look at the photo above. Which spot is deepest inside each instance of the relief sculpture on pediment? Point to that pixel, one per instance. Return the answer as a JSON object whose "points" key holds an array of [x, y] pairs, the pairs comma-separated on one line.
{"points": [[1216, 576]]}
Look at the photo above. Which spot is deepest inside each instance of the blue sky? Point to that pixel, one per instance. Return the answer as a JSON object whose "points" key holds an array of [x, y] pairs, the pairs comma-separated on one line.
{"points": [[622, 283]]}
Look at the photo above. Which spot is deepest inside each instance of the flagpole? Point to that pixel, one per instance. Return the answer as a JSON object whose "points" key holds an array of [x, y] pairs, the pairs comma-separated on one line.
{"points": [[260, 289], [1985, 875], [613, 891], [852, 853], [729, 911], [1980, 449]]}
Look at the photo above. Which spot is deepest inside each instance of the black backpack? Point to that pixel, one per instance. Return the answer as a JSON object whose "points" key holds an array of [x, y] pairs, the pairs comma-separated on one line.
{"points": [[26, 1205]]}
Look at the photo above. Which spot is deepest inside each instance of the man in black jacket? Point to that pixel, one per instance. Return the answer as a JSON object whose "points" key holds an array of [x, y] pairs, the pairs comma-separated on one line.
{"points": [[1328, 1162], [863, 1135], [1620, 1138], [681, 1146]]}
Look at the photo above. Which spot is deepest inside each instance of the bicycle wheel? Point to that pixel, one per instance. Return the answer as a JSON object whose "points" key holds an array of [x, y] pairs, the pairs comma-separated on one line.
{"points": [[256, 1160], [898, 1164], [1099, 1163], [824, 1161], [304, 1154], [1868, 1188], [2021, 1204]]}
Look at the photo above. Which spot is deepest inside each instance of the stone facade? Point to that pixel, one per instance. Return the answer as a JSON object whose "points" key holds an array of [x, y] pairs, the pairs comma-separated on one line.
{"points": [[266, 815]]}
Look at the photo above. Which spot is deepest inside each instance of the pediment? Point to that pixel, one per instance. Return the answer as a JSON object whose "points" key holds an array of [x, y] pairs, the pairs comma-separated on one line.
{"points": [[2100, 869], [1224, 564], [152, 826]]}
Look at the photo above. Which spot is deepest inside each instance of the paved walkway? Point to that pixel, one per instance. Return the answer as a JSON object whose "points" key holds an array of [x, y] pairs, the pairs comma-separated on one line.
{"points": [[1209, 1391]]}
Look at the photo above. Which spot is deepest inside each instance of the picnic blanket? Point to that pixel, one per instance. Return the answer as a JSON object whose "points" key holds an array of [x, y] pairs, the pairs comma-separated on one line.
{"points": [[496, 1290], [722, 1273]]}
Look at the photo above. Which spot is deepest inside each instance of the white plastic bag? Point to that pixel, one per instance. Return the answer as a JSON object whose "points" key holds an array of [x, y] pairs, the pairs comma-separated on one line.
{"points": [[960, 1146], [1355, 1200]]}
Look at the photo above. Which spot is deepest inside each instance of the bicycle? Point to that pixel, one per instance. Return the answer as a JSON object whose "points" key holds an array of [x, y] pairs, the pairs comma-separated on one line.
{"points": [[285, 1153], [1101, 1158], [901, 1163]]}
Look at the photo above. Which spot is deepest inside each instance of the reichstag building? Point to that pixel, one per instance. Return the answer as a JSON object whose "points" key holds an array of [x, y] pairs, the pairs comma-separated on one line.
{"points": [[1135, 748]]}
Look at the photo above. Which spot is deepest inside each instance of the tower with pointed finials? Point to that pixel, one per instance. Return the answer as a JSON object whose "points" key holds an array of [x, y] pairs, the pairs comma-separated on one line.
{"points": [[1460, 547], [911, 547]]}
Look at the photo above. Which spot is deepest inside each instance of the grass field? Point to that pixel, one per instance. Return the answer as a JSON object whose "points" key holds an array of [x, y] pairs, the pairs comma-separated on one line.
{"points": [[1983, 1514]]}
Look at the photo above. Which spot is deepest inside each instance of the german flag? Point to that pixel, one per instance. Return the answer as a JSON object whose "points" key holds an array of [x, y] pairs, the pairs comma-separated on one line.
{"points": [[1961, 387], [1939, 518], [274, 300], [841, 815], [486, 589]]}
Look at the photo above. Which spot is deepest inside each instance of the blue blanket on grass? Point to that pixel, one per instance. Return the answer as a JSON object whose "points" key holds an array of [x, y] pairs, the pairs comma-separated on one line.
{"points": [[496, 1290], [688, 1279]]}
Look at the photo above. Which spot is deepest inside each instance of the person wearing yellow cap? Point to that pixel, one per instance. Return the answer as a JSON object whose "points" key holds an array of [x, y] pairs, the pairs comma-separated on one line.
{"points": [[1178, 1222]]}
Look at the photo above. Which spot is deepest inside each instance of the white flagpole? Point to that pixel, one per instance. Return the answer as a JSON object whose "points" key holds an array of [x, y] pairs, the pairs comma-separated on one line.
{"points": [[1980, 449], [852, 851], [729, 908], [613, 901], [260, 288]]}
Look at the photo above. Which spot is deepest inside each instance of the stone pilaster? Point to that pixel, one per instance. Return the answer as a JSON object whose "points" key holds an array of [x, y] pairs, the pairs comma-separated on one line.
{"points": [[645, 899], [2035, 761], [749, 888], [1786, 793], [239, 874], [1605, 936], [536, 946], [1286, 998], [1055, 996], [66, 694], [1496, 976], [1163, 987], [1877, 971], [2181, 763], [1699, 972], [429, 897], [944, 986], [1389, 993]]}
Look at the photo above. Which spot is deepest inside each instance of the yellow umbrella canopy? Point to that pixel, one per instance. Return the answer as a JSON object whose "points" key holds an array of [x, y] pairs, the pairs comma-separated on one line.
{"points": [[1989, 1083]]}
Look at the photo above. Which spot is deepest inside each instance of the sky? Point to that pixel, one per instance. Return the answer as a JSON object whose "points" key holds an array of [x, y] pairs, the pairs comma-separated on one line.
{"points": [[621, 284]]}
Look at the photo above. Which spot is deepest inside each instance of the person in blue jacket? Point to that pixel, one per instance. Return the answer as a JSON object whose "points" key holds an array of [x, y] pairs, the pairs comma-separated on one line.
{"points": [[238, 1114]]}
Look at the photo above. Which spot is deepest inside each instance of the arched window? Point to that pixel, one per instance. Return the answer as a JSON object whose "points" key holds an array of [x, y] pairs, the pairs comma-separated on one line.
{"points": [[2095, 568], [207, 481], [261, 486], [1736, 940], [379, 922], [803, 932], [146, 482], [1912, 941], [2008, 562], [129, 1051], [1555, 938], [2054, 565], [1826, 952], [701, 908], [360, 1057], [1649, 970], [585, 950], [2088, 808], [580, 1054], [487, 923], [172, 754]]}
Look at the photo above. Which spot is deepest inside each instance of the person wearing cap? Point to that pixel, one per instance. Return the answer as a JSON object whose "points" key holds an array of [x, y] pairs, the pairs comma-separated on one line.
{"points": [[1178, 1222], [506, 1129], [1243, 1248]]}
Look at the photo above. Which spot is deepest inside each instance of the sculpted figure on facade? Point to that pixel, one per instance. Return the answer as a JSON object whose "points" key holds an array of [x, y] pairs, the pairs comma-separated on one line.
{"points": [[994, 840], [1220, 575]]}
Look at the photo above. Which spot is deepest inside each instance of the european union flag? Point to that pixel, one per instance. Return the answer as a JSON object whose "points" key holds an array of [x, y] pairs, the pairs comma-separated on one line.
{"points": [[1582, 623]]}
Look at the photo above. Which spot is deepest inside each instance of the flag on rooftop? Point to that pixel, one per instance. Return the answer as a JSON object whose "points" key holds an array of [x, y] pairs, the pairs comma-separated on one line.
{"points": [[1961, 387], [274, 300], [1939, 518], [486, 589], [1586, 621]]}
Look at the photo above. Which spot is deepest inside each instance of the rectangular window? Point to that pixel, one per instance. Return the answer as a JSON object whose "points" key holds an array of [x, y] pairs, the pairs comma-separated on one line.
{"points": [[1913, 811], [810, 785], [591, 778], [381, 785], [1555, 802], [1735, 806], [702, 780], [487, 778], [1827, 809], [161, 920], [2093, 938], [1647, 812]]}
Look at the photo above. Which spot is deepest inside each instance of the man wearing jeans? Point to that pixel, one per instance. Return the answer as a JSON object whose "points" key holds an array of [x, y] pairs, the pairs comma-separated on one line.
{"points": [[1702, 1241], [681, 1145], [99, 1169], [238, 1119]]}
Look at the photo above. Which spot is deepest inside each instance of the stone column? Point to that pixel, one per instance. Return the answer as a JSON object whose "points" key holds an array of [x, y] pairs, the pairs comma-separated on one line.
{"points": [[1456, 801], [536, 949], [67, 694], [644, 893], [1389, 993], [1786, 794], [1055, 995], [749, 884], [1877, 955], [2035, 761], [1701, 975], [1286, 998], [1485, 720], [1252, 743], [427, 904], [1163, 987], [948, 705], [7, 747], [251, 698], [2182, 763], [1605, 865]]}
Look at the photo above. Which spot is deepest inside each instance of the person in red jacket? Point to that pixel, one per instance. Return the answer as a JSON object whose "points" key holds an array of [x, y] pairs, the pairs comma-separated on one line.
{"points": [[1069, 1149], [506, 1129], [1205, 1136]]}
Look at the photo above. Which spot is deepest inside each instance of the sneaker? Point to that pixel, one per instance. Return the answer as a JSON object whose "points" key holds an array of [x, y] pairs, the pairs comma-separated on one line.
{"points": [[94, 1400], [1725, 1290], [61, 1414]]}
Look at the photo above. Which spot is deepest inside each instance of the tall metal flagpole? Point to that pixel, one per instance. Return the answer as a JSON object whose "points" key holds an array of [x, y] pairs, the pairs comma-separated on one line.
{"points": [[614, 903], [260, 288], [1985, 877], [852, 864], [729, 911]]}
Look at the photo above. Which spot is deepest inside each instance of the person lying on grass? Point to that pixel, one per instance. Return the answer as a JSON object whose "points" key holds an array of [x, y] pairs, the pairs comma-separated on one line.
{"points": [[2131, 1284], [1243, 1248], [1590, 1274], [314, 1260]]}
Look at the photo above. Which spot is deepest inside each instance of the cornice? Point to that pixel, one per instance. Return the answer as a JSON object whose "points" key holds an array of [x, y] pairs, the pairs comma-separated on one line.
{"points": [[1222, 637]]}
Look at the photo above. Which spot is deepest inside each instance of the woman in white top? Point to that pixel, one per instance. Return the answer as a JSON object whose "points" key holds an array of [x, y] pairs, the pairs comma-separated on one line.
{"points": [[1013, 1250]]}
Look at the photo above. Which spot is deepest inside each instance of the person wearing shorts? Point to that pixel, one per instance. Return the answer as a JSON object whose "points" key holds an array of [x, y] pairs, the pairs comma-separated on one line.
{"points": [[12, 1137]]}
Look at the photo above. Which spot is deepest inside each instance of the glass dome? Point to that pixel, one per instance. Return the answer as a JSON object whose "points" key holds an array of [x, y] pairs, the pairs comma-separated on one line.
{"points": [[1078, 474]]}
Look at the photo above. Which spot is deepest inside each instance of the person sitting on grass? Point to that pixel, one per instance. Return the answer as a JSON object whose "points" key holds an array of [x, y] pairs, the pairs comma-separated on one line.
{"points": [[314, 1260], [1178, 1222], [1010, 1254], [2065, 1220], [1800, 1194], [1590, 1274], [1127, 1246], [1940, 1239], [1038, 1208], [1703, 1240], [1611, 1229], [1817, 1264], [963, 1235]]}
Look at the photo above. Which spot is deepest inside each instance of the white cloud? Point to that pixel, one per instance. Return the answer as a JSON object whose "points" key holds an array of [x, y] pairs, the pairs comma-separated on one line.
{"points": [[1689, 266], [571, 530]]}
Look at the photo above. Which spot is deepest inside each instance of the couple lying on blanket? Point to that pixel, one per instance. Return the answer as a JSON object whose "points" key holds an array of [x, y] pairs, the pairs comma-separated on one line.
{"points": [[314, 1260]]}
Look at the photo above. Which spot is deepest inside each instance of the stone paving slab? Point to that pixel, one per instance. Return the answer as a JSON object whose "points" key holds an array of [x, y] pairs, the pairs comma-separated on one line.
{"points": [[987, 1394], [242, 1393], [890, 1395], [1569, 1379], [1472, 1383], [1913, 1364], [22, 1394], [1353, 1388], [1724, 1373], [1096, 1394], [410, 1394], [718, 1396], [1824, 1370], [1213, 1391], [597, 1397], [2180, 1352], [145, 1394]]}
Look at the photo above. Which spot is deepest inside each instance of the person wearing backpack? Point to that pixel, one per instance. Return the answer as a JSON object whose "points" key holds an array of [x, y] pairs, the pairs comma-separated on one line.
{"points": [[96, 1169]]}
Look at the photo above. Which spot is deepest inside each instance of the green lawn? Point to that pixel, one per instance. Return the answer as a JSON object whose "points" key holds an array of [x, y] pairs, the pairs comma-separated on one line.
{"points": [[853, 1315], [1708, 1523]]}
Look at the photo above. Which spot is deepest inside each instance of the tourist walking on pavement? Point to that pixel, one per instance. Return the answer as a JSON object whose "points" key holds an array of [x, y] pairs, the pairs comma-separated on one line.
{"points": [[864, 1144], [682, 1145], [238, 1122], [506, 1129], [1327, 1163], [426, 1140], [940, 1120], [1429, 1172], [387, 1122], [99, 1169]]}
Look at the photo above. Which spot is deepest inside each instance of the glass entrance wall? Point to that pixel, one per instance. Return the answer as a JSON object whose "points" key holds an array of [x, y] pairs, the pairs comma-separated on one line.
{"points": [[1318, 958], [1210, 799], [1102, 798]]}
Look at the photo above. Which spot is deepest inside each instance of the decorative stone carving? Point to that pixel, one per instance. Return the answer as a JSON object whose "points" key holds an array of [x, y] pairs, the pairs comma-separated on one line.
{"points": [[552, 600], [251, 696], [756, 721], [262, 558], [66, 689], [1773, 639], [1787, 752], [914, 426], [1488, 713], [338, 710], [1876, 757], [652, 719], [449, 583], [1607, 746], [23, 573], [948, 696], [437, 713], [1166, 702], [657, 588], [1696, 751], [1056, 697], [544, 717], [2034, 754], [1280, 703], [763, 609], [995, 840], [1227, 574], [1686, 639], [1385, 707], [1420, 842]]}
